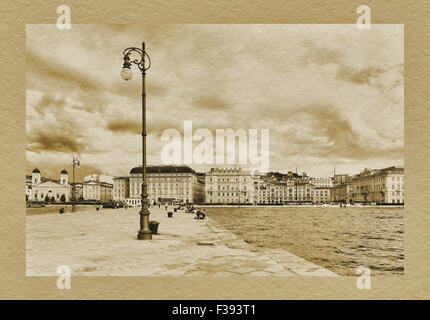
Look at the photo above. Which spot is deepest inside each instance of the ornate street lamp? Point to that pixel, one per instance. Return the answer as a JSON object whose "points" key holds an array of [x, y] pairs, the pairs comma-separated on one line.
{"points": [[75, 162], [126, 73]]}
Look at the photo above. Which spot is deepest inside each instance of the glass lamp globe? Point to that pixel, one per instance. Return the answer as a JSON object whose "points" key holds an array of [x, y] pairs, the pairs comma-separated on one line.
{"points": [[126, 74]]}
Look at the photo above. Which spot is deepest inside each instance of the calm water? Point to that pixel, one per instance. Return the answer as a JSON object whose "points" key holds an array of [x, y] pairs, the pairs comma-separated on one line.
{"points": [[340, 239]]}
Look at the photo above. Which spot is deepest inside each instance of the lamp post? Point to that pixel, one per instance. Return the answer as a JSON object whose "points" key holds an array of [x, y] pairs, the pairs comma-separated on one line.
{"points": [[144, 231], [75, 162]]}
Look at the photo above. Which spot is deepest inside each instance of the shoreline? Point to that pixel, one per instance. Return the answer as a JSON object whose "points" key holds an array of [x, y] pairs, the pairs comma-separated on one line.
{"points": [[300, 206], [54, 209]]}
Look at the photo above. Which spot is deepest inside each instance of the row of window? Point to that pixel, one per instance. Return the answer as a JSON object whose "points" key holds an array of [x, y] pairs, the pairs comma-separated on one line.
{"points": [[214, 179], [228, 194]]}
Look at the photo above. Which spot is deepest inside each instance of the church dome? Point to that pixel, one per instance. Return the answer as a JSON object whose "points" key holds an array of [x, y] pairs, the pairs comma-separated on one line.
{"points": [[64, 171], [35, 170]]}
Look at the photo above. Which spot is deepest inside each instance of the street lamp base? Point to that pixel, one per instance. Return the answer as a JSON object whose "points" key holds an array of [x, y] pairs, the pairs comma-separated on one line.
{"points": [[144, 235]]}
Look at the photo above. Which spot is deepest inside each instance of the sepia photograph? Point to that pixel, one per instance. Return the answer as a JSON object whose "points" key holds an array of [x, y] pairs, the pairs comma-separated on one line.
{"points": [[219, 150]]}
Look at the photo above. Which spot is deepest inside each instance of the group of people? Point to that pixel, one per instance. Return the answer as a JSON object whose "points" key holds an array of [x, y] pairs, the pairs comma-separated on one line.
{"points": [[200, 214]]}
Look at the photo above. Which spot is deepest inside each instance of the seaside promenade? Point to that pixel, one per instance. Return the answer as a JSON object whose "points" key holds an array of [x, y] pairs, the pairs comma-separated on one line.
{"points": [[103, 243]]}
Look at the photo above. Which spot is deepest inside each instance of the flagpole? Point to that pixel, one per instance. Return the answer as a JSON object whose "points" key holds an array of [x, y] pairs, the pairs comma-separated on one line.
{"points": [[73, 185]]}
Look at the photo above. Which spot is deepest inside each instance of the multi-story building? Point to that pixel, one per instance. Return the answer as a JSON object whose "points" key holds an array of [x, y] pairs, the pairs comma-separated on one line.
{"points": [[228, 185], [343, 192], [384, 186], [166, 184], [96, 189], [305, 192], [322, 195], [289, 188], [290, 191], [278, 193], [267, 192], [121, 188]]}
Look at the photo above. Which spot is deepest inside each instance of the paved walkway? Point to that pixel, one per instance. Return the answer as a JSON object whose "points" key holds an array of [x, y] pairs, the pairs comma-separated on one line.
{"points": [[103, 243]]}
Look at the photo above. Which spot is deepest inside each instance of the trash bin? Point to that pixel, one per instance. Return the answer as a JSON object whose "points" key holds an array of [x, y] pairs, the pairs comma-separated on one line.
{"points": [[170, 214], [175, 209], [153, 225], [97, 208], [61, 210]]}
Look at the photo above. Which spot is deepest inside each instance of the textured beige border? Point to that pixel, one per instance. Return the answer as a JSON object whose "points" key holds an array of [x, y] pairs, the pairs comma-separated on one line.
{"points": [[414, 14]]}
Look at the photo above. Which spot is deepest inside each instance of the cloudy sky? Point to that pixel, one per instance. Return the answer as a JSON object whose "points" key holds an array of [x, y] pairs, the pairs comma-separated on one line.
{"points": [[326, 93]]}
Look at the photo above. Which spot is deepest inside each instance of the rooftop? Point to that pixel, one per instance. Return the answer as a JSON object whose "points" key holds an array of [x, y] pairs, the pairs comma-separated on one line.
{"points": [[163, 169]]}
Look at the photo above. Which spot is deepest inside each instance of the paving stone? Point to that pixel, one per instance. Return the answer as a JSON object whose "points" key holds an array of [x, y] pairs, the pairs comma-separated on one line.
{"points": [[104, 243]]}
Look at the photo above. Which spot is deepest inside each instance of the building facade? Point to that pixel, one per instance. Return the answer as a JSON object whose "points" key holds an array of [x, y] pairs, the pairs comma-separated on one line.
{"points": [[228, 185], [166, 184], [322, 195], [121, 188], [95, 190], [343, 192], [305, 192], [384, 186], [41, 189]]}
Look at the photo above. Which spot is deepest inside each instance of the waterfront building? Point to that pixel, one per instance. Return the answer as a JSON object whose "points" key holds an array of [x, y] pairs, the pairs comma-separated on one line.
{"points": [[121, 188], [258, 188], [322, 195], [228, 185], [268, 192], [43, 189], [166, 184], [305, 192], [278, 193], [384, 186], [343, 192]]}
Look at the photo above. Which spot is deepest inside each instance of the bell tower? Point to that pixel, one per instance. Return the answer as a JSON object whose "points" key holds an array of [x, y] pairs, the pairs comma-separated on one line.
{"points": [[35, 176], [64, 177]]}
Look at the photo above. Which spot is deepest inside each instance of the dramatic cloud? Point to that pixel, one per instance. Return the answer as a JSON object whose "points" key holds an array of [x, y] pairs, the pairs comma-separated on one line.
{"points": [[57, 142], [326, 92], [125, 126]]}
